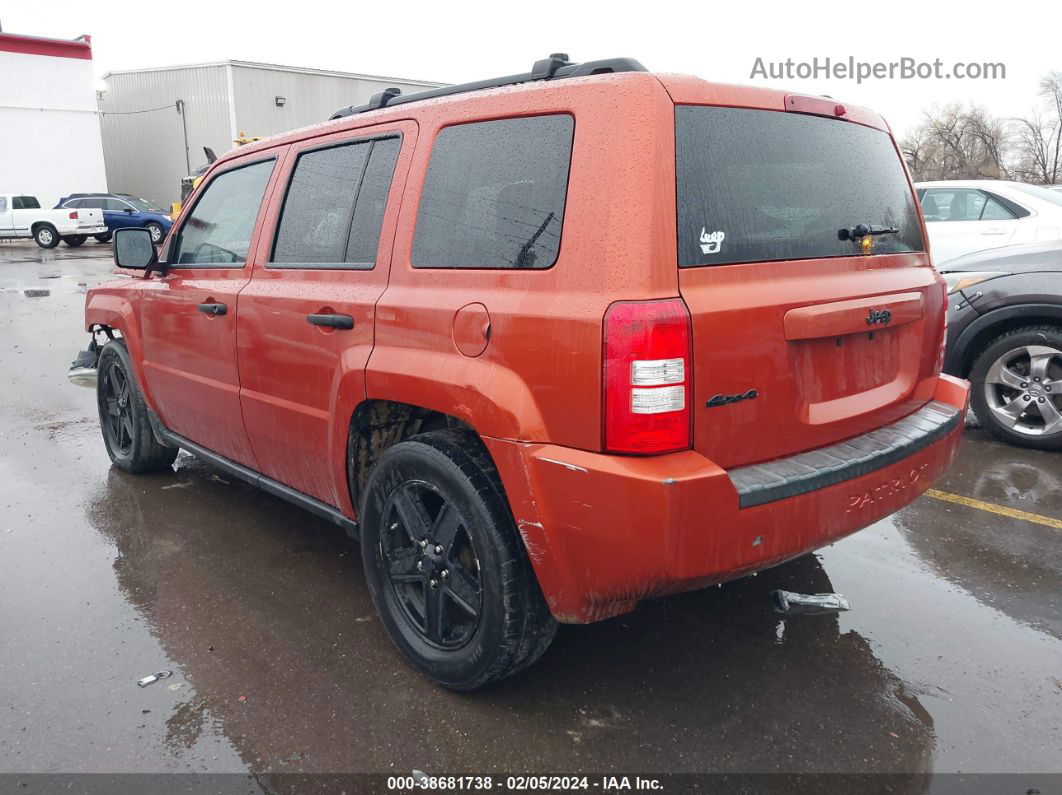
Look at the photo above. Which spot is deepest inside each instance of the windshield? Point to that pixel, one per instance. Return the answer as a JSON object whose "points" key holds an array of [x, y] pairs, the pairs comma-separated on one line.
{"points": [[757, 185], [1044, 194], [143, 205]]}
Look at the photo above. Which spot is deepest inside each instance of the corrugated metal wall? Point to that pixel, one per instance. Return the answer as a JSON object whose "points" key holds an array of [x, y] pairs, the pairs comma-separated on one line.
{"points": [[144, 152], [310, 97]]}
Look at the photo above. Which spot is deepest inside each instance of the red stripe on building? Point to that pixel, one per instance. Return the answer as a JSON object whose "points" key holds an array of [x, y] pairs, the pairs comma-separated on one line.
{"points": [[35, 45]]}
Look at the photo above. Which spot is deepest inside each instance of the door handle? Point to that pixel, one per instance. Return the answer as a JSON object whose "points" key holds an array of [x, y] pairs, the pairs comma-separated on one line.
{"points": [[212, 309], [993, 231], [345, 322]]}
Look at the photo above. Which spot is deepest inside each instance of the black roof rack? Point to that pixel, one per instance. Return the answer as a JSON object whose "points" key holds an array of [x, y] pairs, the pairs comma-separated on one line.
{"points": [[552, 68]]}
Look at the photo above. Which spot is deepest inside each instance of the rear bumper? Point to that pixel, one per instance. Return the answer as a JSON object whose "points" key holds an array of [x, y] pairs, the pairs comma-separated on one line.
{"points": [[604, 531]]}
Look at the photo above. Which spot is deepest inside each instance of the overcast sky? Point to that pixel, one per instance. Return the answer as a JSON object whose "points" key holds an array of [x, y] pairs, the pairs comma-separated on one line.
{"points": [[458, 42]]}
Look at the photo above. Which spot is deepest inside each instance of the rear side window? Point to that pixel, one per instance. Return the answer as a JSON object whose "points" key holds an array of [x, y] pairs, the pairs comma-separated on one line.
{"points": [[334, 207], [494, 194], [219, 229], [758, 185], [962, 204], [25, 203]]}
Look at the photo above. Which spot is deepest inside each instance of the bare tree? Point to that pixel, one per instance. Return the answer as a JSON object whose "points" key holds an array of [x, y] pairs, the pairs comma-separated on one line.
{"points": [[956, 142], [1039, 136]]}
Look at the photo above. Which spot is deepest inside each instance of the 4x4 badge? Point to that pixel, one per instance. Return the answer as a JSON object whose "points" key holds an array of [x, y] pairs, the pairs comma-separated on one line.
{"points": [[725, 400], [881, 316], [711, 243]]}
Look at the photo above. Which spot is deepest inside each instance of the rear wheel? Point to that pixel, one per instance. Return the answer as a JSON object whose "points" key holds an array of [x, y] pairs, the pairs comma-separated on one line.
{"points": [[103, 237], [45, 236], [124, 415], [75, 240], [1017, 387], [445, 565]]}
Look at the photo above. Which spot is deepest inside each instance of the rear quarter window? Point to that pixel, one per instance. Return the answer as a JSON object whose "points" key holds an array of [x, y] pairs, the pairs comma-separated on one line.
{"points": [[759, 185], [494, 194]]}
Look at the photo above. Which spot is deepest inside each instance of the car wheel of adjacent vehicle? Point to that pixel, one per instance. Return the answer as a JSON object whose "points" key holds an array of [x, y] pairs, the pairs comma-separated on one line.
{"points": [[445, 565], [104, 237], [45, 236], [1017, 387], [124, 415], [75, 240], [156, 232]]}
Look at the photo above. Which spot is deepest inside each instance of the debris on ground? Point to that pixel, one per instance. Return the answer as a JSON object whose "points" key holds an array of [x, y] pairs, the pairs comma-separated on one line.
{"points": [[799, 604], [152, 678]]}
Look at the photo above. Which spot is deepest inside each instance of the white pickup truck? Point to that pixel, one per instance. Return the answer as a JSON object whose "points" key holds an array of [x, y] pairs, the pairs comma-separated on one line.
{"points": [[22, 216]]}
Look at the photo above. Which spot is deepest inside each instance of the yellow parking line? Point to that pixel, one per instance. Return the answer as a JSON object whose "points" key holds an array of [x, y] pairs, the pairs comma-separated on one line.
{"points": [[1013, 513]]}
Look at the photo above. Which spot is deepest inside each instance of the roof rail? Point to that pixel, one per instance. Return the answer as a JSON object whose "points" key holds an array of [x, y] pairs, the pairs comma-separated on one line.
{"points": [[552, 68]]}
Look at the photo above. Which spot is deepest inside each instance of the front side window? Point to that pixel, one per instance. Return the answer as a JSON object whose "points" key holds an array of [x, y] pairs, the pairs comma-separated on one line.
{"points": [[953, 204], [761, 185], [334, 207], [218, 231], [494, 194]]}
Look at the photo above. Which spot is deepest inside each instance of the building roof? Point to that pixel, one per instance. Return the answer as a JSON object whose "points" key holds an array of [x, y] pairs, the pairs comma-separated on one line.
{"points": [[80, 47], [278, 68]]}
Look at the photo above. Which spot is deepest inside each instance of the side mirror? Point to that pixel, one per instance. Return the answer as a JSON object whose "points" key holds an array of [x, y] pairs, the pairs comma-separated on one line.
{"points": [[130, 210], [133, 249]]}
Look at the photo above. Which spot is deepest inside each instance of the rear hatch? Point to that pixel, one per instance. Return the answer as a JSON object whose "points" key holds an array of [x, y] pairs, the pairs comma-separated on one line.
{"points": [[803, 334]]}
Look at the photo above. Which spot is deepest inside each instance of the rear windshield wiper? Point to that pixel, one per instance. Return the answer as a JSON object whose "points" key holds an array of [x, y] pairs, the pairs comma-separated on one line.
{"points": [[860, 231]]}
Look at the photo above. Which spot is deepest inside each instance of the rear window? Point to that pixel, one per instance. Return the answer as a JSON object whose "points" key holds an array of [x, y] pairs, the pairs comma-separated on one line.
{"points": [[494, 194], [758, 185], [1043, 194]]}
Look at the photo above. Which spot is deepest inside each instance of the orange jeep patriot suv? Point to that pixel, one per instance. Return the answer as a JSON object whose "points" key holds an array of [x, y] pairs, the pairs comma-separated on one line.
{"points": [[550, 344]]}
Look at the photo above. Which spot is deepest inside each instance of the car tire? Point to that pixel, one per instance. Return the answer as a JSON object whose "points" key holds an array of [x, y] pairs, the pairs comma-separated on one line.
{"points": [[1016, 387], [104, 237], [157, 232], [124, 422], [441, 488], [46, 236], [75, 240]]}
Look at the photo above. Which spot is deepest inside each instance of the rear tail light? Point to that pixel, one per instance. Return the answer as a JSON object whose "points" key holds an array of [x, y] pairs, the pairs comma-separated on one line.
{"points": [[73, 214], [647, 376]]}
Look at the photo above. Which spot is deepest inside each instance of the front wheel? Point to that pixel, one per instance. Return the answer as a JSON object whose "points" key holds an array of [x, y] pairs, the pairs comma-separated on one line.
{"points": [[1017, 387], [156, 232], [103, 237], [124, 415], [445, 566], [75, 240]]}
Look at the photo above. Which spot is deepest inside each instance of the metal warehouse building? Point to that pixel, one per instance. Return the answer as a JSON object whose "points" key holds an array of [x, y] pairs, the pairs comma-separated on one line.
{"points": [[156, 122]]}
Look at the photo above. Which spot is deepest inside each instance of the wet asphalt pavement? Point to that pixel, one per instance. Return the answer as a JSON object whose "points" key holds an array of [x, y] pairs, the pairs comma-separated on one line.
{"points": [[949, 661]]}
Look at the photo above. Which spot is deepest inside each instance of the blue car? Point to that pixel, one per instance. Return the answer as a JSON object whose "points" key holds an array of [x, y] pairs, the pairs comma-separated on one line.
{"points": [[120, 210]]}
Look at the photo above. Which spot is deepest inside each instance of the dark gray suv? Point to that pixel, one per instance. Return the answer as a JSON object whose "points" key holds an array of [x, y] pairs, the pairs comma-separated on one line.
{"points": [[1005, 336]]}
